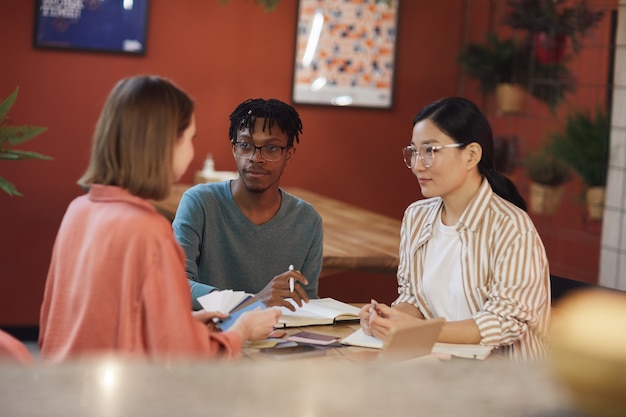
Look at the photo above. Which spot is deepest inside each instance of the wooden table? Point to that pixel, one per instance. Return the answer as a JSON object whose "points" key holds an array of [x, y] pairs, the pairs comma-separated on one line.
{"points": [[339, 330], [354, 238]]}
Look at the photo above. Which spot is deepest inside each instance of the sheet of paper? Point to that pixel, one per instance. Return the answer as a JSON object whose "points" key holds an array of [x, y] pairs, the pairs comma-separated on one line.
{"points": [[222, 301], [359, 338]]}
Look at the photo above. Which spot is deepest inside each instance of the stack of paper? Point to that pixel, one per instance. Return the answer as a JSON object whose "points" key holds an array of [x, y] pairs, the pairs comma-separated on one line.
{"points": [[222, 301], [234, 303]]}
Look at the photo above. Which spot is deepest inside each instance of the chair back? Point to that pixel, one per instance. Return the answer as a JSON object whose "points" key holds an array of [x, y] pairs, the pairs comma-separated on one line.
{"points": [[12, 350]]}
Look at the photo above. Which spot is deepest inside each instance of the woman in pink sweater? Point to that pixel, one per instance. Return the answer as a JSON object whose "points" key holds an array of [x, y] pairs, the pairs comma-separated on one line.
{"points": [[116, 282]]}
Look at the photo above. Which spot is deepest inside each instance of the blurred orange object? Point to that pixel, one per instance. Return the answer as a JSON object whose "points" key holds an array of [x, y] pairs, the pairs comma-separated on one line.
{"points": [[588, 350]]}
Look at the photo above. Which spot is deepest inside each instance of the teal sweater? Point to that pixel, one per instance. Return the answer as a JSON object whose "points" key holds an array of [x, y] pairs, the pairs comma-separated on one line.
{"points": [[225, 250]]}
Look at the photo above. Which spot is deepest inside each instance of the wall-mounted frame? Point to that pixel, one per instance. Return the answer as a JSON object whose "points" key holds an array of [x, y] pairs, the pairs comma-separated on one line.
{"points": [[118, 26], [345, 53]]}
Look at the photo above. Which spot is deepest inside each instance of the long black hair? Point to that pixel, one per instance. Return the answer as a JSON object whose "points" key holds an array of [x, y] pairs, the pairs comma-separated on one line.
{"points": [[463, 121], [273, 111]]}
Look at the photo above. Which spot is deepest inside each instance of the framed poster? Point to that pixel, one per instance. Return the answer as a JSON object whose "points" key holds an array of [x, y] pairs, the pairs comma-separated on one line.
{"points": [[345, 52], [118, 26]]}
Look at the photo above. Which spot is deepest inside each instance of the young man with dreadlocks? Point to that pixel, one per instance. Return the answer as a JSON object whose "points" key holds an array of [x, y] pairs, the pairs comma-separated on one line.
{"points": [[247, 234]]}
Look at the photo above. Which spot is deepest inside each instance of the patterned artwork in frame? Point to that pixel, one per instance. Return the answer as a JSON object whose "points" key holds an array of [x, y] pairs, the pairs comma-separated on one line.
{"points": [[345, 52], [118, 26]]}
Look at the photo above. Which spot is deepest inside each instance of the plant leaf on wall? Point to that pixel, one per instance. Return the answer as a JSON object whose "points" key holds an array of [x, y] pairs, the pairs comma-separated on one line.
{"points": [[15, 135], [583, 143], [11, 136]]}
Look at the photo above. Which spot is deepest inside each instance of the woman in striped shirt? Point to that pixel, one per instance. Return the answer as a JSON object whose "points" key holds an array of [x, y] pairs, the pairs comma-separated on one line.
{"points": [[468, 252]]}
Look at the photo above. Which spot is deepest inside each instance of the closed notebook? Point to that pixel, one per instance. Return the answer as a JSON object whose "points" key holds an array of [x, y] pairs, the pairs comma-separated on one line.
{"points": [[318, 312], [402, 342], [470, 351]]}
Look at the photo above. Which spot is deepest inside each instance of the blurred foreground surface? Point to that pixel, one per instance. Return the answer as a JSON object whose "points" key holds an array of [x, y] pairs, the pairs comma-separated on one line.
{"points": [[307, 388]]}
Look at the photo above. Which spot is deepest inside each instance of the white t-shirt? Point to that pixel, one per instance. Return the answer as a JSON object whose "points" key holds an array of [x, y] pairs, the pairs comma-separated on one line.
{"points": [[443, 277]]}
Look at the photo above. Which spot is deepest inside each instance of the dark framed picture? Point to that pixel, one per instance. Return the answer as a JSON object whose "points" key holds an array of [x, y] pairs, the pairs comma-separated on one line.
{"points": [[117, 26], [345, 53]]}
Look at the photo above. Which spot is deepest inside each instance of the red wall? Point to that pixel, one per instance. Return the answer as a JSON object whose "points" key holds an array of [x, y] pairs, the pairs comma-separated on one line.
{"points": [[224, 54], [221, 55]]}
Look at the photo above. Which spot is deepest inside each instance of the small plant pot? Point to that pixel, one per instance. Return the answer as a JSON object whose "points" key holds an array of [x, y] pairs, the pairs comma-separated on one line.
{"points": [[545, 199], [510, 98], [595, 202], [550, 50]]}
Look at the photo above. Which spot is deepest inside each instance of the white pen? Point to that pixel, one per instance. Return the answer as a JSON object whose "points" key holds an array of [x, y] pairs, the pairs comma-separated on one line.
{"points": [[291, 280], [373, 309]]}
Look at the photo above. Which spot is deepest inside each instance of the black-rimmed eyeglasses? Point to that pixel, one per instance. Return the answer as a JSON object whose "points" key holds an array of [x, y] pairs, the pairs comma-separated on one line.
{"points": [[268, 152], [426, 153]]}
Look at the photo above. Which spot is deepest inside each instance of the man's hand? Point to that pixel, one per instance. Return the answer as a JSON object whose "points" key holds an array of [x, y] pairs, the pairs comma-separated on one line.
{"points": [[277, 290]]}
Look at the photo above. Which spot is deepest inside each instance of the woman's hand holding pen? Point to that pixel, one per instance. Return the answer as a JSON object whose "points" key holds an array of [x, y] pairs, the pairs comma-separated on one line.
{"points": [[367, 314], [283, 286], [378, 319]]}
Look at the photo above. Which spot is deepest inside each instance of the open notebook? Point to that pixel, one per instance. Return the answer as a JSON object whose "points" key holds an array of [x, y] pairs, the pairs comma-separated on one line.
{"points": [[321, 311]]}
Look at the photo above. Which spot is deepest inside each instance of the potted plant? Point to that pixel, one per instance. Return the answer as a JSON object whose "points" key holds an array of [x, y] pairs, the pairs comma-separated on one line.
{"points": [[11, 136], [503, 67], [498, 66], [551, 23], [584, 145], [547, 175]]}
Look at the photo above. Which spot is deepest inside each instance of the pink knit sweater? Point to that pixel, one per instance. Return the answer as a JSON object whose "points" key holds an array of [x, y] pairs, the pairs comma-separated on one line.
{"points": [[117, 284]]}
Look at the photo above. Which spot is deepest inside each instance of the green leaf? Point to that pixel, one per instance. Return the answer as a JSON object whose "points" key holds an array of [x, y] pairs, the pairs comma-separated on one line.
{"points": [[16, 154], [9, 188], [584, 144], [15, 135], [7, 104]]}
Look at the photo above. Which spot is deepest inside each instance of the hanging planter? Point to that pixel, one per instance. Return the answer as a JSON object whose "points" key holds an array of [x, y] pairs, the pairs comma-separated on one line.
{"points": [[497, 64], [545, 199], [553, 19], [547, 175], [507, 61], [595, 202], [510, 98], [550, 49], [584, 144]]}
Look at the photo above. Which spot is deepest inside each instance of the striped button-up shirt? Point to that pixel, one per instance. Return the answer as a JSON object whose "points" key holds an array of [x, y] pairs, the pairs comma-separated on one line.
{"points": [[506, 277]]}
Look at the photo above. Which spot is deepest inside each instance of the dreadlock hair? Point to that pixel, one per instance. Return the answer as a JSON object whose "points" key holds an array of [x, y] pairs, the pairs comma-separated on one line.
{"points": [[463, 121], [273, 111]]}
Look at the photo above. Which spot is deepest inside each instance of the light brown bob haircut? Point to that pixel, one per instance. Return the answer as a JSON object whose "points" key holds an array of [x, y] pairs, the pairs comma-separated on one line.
{"points": [[142, 119]]}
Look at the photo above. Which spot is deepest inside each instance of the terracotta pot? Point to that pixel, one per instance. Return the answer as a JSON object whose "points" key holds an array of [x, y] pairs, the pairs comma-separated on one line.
{"points": [[545, 199], [510, 98], [595, 202], [550, 50]]}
